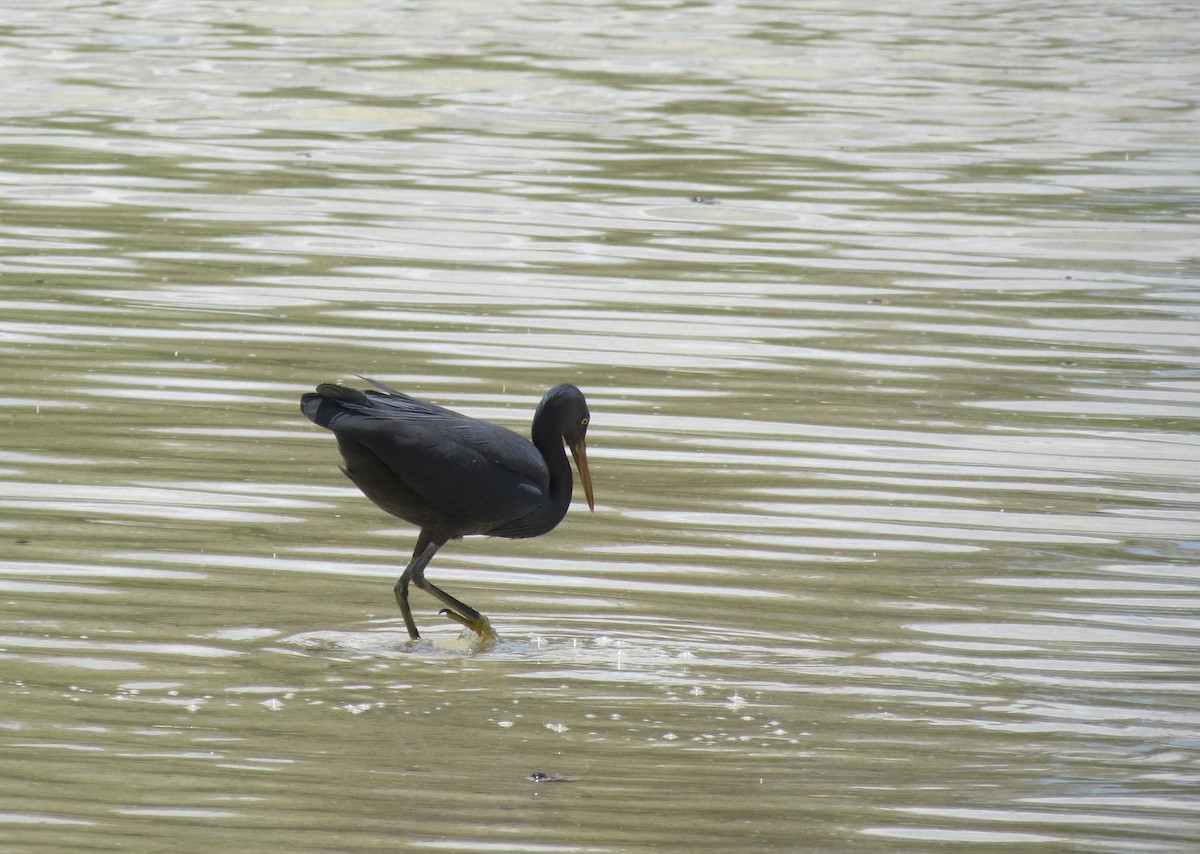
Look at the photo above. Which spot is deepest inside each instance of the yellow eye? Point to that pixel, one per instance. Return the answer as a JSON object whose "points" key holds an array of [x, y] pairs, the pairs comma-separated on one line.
{"points": [[583, 422]]}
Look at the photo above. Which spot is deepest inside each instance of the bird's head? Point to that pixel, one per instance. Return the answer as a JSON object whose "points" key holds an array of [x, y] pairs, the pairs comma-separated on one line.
{"points": [[571, 415]]}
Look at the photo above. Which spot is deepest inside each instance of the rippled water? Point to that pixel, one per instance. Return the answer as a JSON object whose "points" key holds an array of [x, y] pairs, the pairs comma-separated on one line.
{"points": [[890, 328]]}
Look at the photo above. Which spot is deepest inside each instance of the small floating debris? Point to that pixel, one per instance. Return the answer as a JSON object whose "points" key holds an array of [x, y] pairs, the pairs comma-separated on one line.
{"points": [[539, 777]]}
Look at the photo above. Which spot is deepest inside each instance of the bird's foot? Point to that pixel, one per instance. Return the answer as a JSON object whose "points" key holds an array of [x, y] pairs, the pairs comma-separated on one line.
{"points": [[479, 624]]}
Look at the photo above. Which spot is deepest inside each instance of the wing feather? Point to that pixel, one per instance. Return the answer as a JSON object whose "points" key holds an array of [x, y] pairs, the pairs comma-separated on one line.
{"points": [[452, 466]]}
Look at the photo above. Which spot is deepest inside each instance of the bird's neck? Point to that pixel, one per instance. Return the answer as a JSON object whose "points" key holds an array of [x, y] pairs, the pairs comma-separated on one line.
{"points": [[549, 442]]}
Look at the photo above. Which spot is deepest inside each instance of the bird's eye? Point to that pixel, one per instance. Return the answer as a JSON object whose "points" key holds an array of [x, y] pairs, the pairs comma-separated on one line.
{"points": [[583, 422]]}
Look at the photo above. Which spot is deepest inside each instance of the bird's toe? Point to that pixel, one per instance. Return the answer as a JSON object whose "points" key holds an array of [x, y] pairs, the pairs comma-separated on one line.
{"points": [[478, 624]]}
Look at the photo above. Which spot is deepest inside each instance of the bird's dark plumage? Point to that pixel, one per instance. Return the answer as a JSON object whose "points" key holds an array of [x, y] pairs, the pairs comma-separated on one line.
{"points": [[452, 475]]}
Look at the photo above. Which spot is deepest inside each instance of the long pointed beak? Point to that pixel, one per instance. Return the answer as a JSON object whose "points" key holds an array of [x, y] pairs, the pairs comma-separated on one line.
{"points": [[579, 452]]}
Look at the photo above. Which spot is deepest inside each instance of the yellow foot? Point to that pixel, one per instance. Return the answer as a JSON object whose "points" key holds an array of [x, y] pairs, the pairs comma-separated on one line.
{"points": [[481, 627]]}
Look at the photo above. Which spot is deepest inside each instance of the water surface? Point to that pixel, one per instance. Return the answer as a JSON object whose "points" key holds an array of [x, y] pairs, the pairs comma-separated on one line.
{"points": [[888, 324]]}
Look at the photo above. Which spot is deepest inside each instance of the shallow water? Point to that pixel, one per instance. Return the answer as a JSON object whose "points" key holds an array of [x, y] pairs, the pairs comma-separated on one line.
{"points": [[888, 322]]}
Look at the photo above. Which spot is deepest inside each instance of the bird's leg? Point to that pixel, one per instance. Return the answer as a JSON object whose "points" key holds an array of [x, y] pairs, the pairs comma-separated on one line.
{"points": [[481, 626], [458, 611], [422, 554]]}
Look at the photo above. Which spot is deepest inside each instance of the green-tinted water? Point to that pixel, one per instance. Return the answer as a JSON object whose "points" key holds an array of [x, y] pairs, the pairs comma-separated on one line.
{"points": [[888, 324]]}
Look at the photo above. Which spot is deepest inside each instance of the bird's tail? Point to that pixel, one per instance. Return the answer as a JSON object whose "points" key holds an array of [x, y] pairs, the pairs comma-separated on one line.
{"points": [[323, 406], [342, 394]]}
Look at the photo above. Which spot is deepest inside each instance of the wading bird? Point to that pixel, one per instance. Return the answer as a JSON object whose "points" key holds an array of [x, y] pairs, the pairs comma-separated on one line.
{"points": [[452, 475]]}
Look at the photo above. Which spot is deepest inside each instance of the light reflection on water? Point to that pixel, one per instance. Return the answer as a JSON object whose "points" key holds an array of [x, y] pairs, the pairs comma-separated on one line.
{"points": [[889, 329]]}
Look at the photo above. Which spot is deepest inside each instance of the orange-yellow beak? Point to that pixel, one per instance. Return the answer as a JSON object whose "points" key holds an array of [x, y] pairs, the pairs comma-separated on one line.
{"points": [[579, 452]]}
